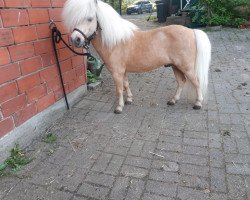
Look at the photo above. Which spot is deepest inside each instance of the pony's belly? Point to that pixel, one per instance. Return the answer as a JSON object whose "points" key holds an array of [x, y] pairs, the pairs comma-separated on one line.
{"points": [[142, 68]]}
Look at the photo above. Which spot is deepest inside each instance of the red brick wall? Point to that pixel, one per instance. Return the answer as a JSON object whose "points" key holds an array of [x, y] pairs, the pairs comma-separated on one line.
{"points": [[29, 79]]}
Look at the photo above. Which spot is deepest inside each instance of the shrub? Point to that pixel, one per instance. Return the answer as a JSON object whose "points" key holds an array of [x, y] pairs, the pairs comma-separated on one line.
{"points": [[222, 12]]}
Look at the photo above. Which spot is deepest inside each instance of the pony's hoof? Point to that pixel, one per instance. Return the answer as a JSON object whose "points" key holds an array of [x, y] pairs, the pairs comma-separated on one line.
{"points": [[127, 102], [196, 107], [170, 103], [117, 111]]}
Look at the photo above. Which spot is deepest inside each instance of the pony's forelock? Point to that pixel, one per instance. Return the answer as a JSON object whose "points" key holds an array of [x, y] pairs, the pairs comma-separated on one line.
{"points": [[114, 28], [75, 11]]}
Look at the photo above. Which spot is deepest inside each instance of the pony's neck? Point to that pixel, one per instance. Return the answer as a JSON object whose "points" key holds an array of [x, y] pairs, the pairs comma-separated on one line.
{"points": [[99, 47]]}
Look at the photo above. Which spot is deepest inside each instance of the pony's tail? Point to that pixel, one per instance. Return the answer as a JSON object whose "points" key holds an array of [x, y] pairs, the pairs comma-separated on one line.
{"points": [[203, 58]]}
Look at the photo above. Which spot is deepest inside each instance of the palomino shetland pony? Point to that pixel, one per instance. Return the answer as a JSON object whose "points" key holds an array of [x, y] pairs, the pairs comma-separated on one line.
{"points": [[125, 49]]}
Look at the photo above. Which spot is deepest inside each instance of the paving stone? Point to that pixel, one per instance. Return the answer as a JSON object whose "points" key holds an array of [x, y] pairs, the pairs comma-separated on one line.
{"points": [[216, 158], [135, 189], [234, 168], [199, 183], [102, 162], [164, 176], [136, 147], [236, 187], [132, 171], [194, 170], [100, 179], [195, 142], [193, 150], [138, 162], [191, 194], [114, 165], [148, 196], [160, 188], [216, 196], [218, 180], [119, 191], [93, 191]]}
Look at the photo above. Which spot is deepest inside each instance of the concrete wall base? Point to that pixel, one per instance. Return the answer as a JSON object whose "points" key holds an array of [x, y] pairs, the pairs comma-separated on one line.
{"points": [[34, 127]]}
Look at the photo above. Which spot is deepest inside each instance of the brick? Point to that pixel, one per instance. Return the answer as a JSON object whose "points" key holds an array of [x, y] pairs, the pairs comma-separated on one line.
{"points": [[80, 70], [54, 84], [81, 80], [1, 5], [8, 91], [48, 59], [55, 14], [100, 179], [64, 54], [5, 57], [43, 31], [6, 126], [62, 28], [49, 73], [58, 94], [22, 51], [38, 16], [40, 3], [71, 86], [43, 46], [28, 82], [58, 3], [17, 3], [96, 192], [45, 102], [69, 76], [23, 115], [6, 37], [30, 65], [14, 17], [161, 188], [24, 34], [77, 61], [66, 65], [13, 105], [119, 189], [9, 72], [36, 93]]}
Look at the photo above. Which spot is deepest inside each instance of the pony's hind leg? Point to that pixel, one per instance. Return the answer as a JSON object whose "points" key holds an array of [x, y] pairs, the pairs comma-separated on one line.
{"points": [[118, 79], [194, 80], [181, 79], [129, 98]]}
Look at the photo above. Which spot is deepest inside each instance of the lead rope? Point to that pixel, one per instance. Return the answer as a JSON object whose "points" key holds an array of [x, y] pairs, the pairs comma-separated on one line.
{"points": [[56, 38]]}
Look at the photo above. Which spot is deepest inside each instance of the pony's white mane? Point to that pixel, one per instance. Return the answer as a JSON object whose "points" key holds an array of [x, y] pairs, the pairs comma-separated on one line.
{"points": [[114, 29]]}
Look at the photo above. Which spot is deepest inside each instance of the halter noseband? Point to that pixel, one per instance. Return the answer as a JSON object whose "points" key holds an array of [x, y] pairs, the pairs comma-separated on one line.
{"points": [[88, 39]]}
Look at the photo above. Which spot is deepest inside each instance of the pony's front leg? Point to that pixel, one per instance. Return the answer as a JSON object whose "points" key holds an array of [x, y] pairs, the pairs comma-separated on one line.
{"points": [[127, 89], [118, 79]]}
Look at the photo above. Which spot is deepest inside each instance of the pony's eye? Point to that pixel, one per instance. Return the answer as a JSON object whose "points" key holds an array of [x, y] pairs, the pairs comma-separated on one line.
{"points": [[90, 19]]}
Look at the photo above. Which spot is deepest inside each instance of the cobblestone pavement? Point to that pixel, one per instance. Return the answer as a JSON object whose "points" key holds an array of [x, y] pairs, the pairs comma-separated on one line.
{"points": [[203, 154]]}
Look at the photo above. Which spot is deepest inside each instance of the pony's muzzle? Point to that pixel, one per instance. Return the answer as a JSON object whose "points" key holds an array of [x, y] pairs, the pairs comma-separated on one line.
{"points": [[77, 41]]}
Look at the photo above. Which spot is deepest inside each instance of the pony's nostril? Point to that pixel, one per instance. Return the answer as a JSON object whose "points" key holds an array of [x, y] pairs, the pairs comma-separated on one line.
{"points": [[77, 41]]}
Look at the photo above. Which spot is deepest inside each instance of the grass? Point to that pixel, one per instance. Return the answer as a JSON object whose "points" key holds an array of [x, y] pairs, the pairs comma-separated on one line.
{"points": [[15, 162], [50, 138]]}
